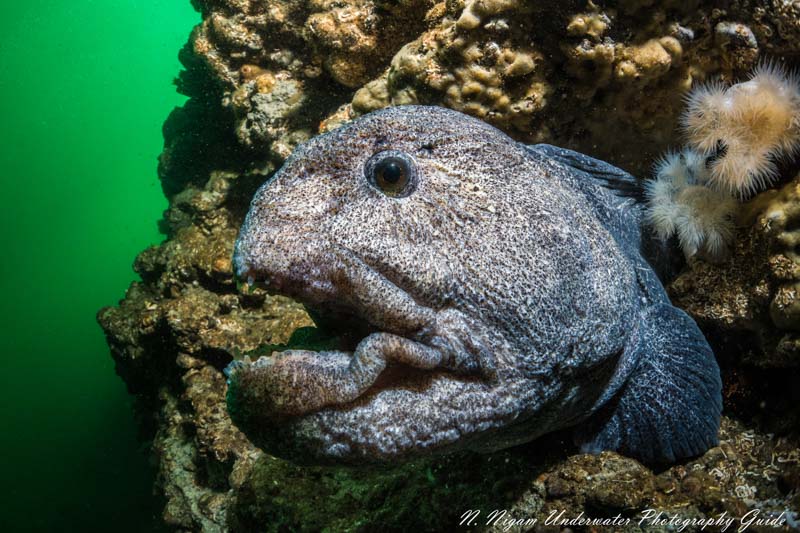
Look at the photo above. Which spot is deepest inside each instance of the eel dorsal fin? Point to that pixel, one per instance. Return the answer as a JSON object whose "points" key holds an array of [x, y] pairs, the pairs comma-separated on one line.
{"points": [[606, 174]]}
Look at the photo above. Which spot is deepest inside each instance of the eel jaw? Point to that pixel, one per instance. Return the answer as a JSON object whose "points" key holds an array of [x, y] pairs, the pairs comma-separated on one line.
{"points": [[405, 413], [347, 298], [297, 405], [282, 405]]}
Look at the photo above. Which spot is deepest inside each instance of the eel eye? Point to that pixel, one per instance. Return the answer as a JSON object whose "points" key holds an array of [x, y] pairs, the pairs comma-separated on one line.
{"points": [[392, 172]]}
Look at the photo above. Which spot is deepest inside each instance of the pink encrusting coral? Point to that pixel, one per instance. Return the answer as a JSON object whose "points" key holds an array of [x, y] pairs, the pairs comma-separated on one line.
{"points": [[746, 127]]}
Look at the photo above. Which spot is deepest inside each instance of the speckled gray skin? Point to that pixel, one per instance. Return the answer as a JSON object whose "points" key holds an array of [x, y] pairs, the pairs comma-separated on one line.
{"points": [[506, 297]]}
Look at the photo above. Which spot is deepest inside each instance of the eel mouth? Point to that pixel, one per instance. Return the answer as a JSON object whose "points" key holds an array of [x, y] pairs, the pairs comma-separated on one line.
{"points": [[350, 302], [338, 288], [361, 399], [324, 295]]}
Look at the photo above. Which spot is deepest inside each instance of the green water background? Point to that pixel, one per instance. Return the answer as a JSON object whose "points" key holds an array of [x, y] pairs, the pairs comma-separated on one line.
{"points": [[84, 89]]}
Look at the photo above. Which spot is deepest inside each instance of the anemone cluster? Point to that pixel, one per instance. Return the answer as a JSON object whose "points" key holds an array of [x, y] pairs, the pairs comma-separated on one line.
{"points": [[735, 136], [682, 203]]}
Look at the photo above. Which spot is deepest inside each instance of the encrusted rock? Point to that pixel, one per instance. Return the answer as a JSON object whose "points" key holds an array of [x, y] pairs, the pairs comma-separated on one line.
{"points": [[604, 79], [758, 290]]}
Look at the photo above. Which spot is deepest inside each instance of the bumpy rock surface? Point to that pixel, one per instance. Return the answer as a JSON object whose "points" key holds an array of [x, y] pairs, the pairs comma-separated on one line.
{"points": [[605, 79]]}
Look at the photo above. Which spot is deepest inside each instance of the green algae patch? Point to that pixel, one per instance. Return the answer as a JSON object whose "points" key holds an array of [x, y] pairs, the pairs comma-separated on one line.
{"points": [[423, 495]]}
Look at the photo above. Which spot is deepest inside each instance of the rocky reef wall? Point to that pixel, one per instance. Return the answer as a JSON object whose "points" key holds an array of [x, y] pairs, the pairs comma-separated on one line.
{"points": [[605, 78]]}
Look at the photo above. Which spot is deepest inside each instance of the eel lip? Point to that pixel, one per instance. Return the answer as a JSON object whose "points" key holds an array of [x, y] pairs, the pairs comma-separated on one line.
{"points": [[330, 312], [315, 289], [326, 281], [279, 400], [335, 280]]}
